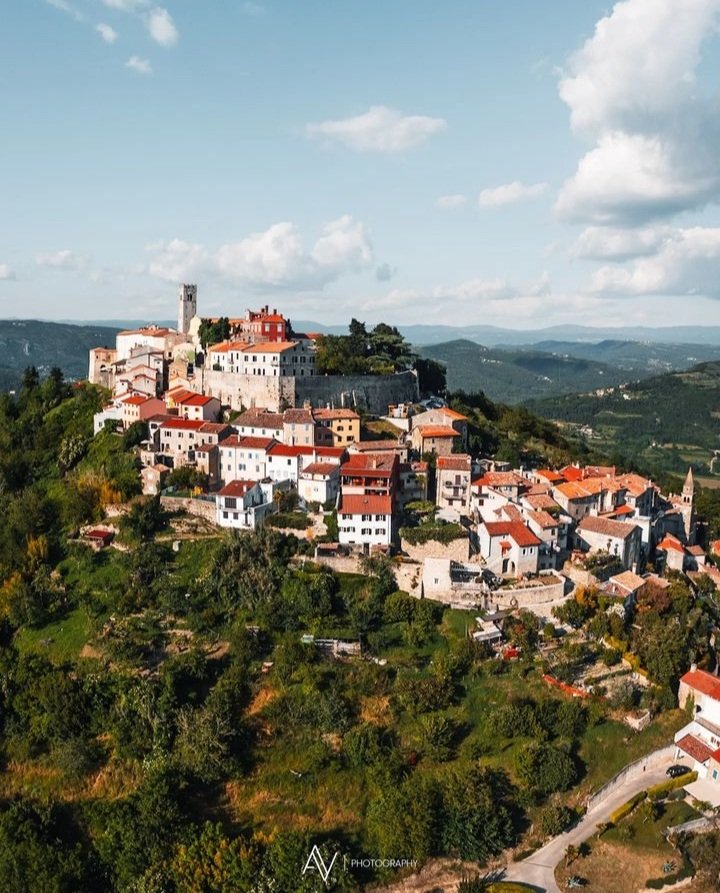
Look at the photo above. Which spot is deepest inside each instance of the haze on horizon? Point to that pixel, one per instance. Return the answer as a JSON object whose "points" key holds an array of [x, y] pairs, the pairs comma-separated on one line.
{"points": [[523, 165]]}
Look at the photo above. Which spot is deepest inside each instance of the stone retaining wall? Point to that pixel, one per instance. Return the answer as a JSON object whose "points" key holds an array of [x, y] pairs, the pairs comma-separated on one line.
{"points": [[200, 507]]}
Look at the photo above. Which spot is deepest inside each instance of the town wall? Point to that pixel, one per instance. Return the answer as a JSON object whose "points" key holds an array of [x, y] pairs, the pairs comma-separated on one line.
{"points": [[371, 392]]}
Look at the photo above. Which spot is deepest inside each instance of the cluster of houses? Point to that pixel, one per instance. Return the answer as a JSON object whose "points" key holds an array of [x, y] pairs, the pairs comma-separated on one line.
{"points": [[518, 523]]}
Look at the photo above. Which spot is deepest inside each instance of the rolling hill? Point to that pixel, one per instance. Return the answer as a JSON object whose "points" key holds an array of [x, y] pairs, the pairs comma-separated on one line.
{"points": [[665, 421], [642, 357], [30, 342], [517, 375]]}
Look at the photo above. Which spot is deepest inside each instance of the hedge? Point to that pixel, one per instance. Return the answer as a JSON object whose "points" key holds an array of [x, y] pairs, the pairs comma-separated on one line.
{"points": [[288, 520], [658, 791], [627, 807], [440, 533]]}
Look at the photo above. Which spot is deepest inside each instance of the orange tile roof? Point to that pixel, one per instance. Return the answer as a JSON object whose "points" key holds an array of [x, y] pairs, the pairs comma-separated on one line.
{"points": [[452, 413], [436, 431], [332, 414], [550, 475], [136, 400], [704, 682], [195, 400], [249, 443], [516, 530], [543, 519], [183, 424], [671, 542], [366, 505]]}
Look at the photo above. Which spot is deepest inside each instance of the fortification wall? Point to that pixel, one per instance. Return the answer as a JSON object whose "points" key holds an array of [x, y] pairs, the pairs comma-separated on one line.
{"points": [[373, 392], [237, 391], [455, 550]]}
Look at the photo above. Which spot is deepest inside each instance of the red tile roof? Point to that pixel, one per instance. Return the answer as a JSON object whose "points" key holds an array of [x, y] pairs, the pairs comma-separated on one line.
{"points": [[332, 414], [195, 400], [325, 468], [366, 505], [516, 530], [136, 400], [380, 464], [459, 462], [571, 473], [249, 443], [704, 682], [284, 449], [553, 476], [670, 542], [183, 424], [695, 748], [271, 347], [236, 488]]}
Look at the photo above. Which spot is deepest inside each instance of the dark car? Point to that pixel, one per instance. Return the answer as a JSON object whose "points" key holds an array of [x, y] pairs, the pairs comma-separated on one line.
{"points": [[675, 771]]}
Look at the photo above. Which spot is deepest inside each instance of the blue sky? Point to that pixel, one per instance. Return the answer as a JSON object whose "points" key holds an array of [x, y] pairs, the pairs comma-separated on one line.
{"points": [[516, 164]]}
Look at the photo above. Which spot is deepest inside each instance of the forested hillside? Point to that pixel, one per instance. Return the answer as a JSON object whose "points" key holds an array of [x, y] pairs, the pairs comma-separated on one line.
{"points": [[664, 422], [30, 342], [517, 375]]}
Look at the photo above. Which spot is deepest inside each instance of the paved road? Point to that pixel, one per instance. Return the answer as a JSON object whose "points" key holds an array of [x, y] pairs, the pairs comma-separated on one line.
{"points": [[539, 868]]}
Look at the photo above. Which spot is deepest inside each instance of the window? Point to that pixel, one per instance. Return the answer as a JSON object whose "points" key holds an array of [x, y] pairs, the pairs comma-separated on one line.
{"points": [[230, 502], [367, 517]]}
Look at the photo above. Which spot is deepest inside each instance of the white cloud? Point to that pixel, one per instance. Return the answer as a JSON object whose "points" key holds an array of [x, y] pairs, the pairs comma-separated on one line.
{"points": [[631, 88], [457, 200], [161, 27], [272, 259], [6, 273], [687, 263], [178, 261], [142, 66], [108, 34], [509, 194], [61, 260], [607, 243], [67, 8], [380, 129], [125, 5]]}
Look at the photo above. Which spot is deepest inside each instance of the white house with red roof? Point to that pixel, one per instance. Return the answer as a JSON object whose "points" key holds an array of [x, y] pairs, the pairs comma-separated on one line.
{"points": [[319, 482], [366, 520], [698, 742], [199, 407], [244, 458], [509, 548], [243, 504], [178, 438], [284, 462]]}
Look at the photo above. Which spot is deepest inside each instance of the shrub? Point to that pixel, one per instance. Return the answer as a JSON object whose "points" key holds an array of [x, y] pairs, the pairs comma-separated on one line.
{"points": [[659, 791], [288, 521], [439, 533], [627, 807], [554, 819]]}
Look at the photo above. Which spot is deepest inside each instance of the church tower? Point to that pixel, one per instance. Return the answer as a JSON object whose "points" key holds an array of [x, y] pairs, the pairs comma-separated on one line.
{"points": [[688, 506], [187, 307]]}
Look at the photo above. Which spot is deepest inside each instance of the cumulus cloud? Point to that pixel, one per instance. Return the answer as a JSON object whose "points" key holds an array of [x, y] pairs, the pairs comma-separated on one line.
{"points": [[456, 200], [161, 27], [631, 89], [178, 261], [108, 34], [686, 263], [272, 259], [6, 273], [380, 129], [510, 194], [61, 260], [609, 243], [469, 292], [141, 66]]}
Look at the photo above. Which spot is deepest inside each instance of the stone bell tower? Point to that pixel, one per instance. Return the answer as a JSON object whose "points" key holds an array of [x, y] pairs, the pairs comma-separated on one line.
{"points": [[688, 507], [187, 307]]}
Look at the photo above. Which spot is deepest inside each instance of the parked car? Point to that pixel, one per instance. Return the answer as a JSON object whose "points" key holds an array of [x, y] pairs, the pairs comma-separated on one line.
{"points": [[675, 771]]}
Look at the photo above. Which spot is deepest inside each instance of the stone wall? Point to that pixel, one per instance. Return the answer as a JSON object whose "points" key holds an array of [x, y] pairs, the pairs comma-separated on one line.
{"points": [[200, 507], [372, 392], [552, 591], [456, 550]]}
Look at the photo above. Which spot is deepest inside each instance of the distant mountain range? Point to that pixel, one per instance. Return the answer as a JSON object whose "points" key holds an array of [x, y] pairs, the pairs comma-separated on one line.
{"points": [[30, 342], [667, 421]]}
